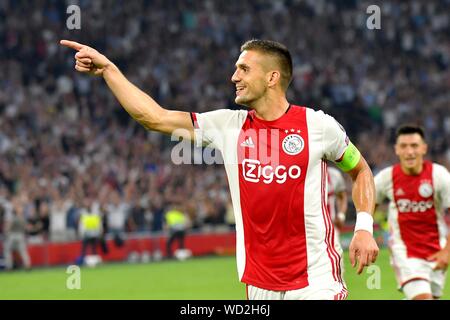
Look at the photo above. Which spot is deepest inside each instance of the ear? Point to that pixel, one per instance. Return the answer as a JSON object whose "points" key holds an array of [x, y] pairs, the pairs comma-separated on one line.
{"points": [[425, 148], [273, 77], [396, 149]]}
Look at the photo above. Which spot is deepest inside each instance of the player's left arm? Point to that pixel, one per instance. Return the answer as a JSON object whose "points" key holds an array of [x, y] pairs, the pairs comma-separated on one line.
{"points": [[363, 248]]}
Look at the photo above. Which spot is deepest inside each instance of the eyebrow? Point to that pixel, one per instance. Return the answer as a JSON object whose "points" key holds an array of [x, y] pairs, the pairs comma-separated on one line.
{"points": [[408, 143], [242, 65]]}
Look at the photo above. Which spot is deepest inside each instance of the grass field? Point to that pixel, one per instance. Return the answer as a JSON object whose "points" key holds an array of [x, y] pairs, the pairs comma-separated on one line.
{"points": [[209, 278]]}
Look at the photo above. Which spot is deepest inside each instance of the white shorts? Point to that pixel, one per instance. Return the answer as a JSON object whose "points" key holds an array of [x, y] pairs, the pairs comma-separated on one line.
{"points": [[418, 287], [416, 276], [335, 291]]}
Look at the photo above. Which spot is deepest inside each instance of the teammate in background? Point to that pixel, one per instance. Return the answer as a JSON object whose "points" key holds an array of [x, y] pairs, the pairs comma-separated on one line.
{"points": [[285, 239], [337, 202], [418, 192]]}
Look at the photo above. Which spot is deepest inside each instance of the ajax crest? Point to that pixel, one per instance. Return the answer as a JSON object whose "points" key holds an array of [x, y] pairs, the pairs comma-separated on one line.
{"points": [[293, 144], [425, 189]]}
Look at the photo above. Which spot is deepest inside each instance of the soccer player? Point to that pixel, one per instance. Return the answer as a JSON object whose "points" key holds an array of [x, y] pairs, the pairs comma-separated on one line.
{"points": [[418, 191], [275, 158]]}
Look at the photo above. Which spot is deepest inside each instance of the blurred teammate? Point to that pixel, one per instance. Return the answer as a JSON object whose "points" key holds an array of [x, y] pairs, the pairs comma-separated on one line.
{"points": [[337, 202], [418, 191], [285, 237]]}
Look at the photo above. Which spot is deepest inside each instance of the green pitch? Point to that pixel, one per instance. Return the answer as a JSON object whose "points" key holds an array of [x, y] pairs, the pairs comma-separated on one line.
{"points": [[208, 278]]}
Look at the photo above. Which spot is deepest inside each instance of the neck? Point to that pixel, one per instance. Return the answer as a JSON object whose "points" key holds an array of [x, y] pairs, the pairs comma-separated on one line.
{"points": [[414, 171], [269, 108]]}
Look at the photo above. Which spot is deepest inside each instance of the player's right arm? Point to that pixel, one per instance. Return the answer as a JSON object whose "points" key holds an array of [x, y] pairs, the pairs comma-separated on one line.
{"points": [[137, 103]]}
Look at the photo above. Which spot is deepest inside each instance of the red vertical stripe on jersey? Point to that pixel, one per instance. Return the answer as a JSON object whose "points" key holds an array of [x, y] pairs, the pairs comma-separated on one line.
{"points": [[327, 226], [331, 195], [194, 120], [417, 218], [341, 295], [334, 256]]}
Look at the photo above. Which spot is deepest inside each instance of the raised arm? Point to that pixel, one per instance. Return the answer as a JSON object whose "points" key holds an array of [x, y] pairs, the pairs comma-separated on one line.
{"points": [[137, 103]]}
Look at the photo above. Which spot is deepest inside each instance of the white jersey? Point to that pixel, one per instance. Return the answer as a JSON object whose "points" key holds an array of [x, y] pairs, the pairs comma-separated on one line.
{"points": [[277, 175]]}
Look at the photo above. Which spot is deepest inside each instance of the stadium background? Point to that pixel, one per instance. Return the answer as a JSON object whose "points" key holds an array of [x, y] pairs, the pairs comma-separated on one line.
{"points": [[64, 136]]}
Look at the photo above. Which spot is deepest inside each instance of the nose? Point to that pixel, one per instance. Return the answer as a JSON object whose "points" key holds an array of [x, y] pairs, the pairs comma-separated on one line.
{"points": [[409, 151], [235, 77]]}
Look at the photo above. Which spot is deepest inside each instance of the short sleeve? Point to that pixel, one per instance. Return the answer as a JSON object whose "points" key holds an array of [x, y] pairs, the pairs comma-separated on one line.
{"points": [[211, 127], [441, 176], [335, 140], [382, 181]]}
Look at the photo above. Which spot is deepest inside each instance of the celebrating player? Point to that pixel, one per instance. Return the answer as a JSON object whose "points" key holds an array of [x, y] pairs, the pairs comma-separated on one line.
{"points": [[417, 191], [285, 236]]}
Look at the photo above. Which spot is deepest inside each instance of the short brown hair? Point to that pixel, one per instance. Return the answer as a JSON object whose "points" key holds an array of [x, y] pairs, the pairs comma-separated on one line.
{"points": [[279, 51]]}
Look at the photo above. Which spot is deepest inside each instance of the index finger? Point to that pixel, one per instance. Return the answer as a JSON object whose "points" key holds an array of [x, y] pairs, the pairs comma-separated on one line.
{"points": [[72, 44], [363, 261], [352, 257]]}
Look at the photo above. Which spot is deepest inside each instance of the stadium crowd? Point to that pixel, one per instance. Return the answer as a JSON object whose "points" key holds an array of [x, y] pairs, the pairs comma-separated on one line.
{"points": [[64, 137]]}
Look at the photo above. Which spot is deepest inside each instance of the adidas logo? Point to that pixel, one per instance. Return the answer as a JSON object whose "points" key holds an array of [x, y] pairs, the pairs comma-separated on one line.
{"points": [[248, 143], [400, 192]]}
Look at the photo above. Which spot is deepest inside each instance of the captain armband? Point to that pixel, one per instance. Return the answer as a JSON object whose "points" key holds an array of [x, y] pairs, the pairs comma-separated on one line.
{"points": [[350, 158]]}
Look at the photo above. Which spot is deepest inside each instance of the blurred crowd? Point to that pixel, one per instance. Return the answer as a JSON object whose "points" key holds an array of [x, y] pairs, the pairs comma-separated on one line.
{"points": [[65, 142]]}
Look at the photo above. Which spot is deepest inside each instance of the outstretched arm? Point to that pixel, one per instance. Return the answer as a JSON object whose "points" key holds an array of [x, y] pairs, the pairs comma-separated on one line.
{"points": [[137, 103]]}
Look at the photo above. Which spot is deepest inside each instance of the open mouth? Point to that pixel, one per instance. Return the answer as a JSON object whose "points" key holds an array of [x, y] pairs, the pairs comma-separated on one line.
{"points": [[239, 90]]}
